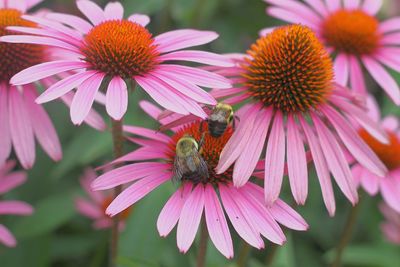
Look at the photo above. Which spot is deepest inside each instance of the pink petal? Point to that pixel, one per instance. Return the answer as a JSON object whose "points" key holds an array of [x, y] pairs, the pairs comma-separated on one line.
{"points": [[73, 21], [84, 98], [390, 188], [199, 57], [341, 67], [88, 209], [20, 5], [117, 98], [179, 39], [148, 133], [320, 166], [351, 4], [114, 10], [239, 221], [356, 146], [290, 16], [274, 160], [150, 109], [140, 19], [372, 6], [86, 179], [92, 11], [390, 123], [370, 182], [332, 5], [190, 218], [39, 40], [297, 163], [104, 223], [12, 181], [390, 39], [6, 237], [299, 8], [45, 70], [389, 25], [135, 192], [10, 207], [21, 129], [5, 140], [128, 173], [249, 156], [336, 160], [319, 6], [171, 212], [287, 216], [216, 223], [383, 78], [42, 126], [357, 81], [62, 87], [197, 76]]}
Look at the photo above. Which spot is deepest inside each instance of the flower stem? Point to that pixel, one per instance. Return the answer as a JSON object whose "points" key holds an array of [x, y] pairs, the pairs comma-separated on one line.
{"points": [[346, 234], [118, 141], [271, 254], [243, 255], [202, 251]]}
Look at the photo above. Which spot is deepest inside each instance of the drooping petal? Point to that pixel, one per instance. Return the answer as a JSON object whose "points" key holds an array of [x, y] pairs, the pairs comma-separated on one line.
{"points": [[6, 237], [92, 11], [372, 6], [140, 19], [38, 40], [390, 188], [117, 98], [12, 181], [73, 21], [389, 25], [88, 209], [357, 82], [341, 67], [216, 223], [352, 4], [190, 218], [370, 182], [179, 39], [199, 57], [114, 10], [13, 207], [5, 140]]}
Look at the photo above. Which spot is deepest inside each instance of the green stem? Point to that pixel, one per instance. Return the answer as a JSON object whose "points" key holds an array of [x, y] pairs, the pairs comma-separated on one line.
{"points": [[346, 234], [201, 254], [243, 254], [118, 141], [271, 255]]}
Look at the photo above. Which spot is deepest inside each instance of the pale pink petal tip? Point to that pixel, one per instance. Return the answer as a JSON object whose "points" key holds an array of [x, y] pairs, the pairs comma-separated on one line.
{"points": [[6, 237]]}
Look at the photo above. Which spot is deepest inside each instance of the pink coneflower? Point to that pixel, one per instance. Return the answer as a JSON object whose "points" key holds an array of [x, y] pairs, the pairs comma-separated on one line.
{"points": [[8, 181], [21, 119], [111, 50], [95, 207], [244, 206], [288, 78], [352, 32], [389, 154], [391, 226]]}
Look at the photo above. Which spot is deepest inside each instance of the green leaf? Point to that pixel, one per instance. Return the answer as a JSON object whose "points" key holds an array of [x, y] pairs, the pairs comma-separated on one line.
{"points": [[148, 7], [50, 213]]}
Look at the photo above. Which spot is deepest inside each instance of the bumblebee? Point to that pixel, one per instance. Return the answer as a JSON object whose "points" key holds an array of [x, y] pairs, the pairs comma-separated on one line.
{"points": [[188, 162], [221, 116]]}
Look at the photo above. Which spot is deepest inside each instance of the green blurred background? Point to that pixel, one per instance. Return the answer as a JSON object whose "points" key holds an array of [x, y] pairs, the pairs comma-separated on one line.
{"points": [[57, 236]]}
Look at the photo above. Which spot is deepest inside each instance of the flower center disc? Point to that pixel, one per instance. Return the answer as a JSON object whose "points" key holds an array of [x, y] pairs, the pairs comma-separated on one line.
{"points": [[16, 57], [289, 69], [210, 150], [389, 154], [120, 47], [352, 31]]}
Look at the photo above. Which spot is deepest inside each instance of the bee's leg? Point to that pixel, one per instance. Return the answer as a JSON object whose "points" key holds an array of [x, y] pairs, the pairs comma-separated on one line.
{"points": [[234, 122], [201, 142]]}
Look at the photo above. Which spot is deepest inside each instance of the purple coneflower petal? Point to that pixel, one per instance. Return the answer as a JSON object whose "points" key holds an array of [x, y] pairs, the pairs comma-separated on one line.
{"points": [[91, 10], [239, 221], [169, 215], [336, 160], [140, 19], [320, 166], [13, 207], [5, 140], [152, 134], [88, 177], [341, 67], [216, 223], [190, 218], [297, 162], [319, 6], [287, 216], [117, 98], [88, 208], [114, 10], [332, 5], [31, 39], [21, 129], [357, 81], [351, 4], [6, 237], [45, 70], [390, 123], [372, 6], [389, 25], [275, 160], [12, 181], [135, 192], [84, 98], [390, 188], [179, 39], [391, 39], [42, 126], [290, 16], [299, 8], [199, 57], [75, 22], [20, 5], [370, 182]]}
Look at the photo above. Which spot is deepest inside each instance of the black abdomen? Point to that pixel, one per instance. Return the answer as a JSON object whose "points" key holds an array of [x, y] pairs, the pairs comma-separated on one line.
{"points": [[216, 128]]}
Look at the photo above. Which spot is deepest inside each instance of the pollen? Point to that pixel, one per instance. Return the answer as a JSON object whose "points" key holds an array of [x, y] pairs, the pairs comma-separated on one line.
{"points": [[123, 215], [352, 31], [16, 57], [289, 69], [210, 150], [120, 47], [389, 154]]}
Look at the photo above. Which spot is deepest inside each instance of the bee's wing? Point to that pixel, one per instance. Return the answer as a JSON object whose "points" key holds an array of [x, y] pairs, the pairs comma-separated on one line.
{"points": [[203, 168], [178, 167], [193, 162]]}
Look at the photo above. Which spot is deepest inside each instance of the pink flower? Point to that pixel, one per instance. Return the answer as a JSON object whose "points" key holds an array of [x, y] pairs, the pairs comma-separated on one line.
{"points": [[114, 50], [244, 206], [94, 207], [9, 181], [288, 78], [389, 154], [21, 119], [353, 33], [391, 227]]}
